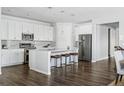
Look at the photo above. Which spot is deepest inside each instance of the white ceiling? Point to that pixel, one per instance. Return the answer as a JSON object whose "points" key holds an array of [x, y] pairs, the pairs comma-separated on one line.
{"points": [[61, 14]]}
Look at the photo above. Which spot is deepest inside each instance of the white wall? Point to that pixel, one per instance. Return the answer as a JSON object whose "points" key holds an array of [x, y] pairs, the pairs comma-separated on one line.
{"points": [[114, 39], [64, 35], [102, 41], [84, 28], [104, 20], [0, 40], [121, 31]]}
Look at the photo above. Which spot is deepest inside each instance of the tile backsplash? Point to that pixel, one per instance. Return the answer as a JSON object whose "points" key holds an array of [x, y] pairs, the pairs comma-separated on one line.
{"points": [[40, 44], [14, 44]]}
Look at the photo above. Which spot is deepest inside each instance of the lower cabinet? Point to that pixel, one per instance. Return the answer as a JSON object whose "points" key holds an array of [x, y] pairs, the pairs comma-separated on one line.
{"points": [[12, 57]]}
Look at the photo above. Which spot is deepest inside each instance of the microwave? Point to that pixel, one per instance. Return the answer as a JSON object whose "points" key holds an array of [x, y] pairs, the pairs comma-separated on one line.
{"points": [[27, 37]]}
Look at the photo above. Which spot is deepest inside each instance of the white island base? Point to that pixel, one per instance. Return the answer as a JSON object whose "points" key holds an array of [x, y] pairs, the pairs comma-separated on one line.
{"points": [[40, 60]]}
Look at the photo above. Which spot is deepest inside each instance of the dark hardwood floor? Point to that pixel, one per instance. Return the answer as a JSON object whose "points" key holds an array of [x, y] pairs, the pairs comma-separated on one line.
{"points": [[83, 73]]}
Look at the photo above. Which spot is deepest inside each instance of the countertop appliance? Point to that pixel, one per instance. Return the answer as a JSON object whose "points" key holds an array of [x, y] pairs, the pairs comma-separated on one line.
{"points": [[85, 47], [27, 37]]}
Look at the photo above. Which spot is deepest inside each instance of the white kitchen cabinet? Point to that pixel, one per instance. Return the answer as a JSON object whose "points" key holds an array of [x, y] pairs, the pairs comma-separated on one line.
{"points": [[11, 29], [21, 56], [18, 30], [4, 29], [12, 57], [5, 58], [50, 34], [17, 57], [36, 31], [41, 32], [47, 34], [83, 29], [44, 32], [28, 28], [14, 30]]}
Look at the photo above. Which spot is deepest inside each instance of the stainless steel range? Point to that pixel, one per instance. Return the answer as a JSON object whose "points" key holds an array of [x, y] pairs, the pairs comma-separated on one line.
{"points": [[26, 47]]}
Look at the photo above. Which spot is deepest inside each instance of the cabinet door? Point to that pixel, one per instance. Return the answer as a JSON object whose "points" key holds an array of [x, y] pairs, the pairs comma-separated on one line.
{"points": [[17, 57], [46, 33], [18, 30], [4, 29], [13, 57], [20, 56], [27, 27], [5, 58], [50, 33], [41, 34], [36, 31], [11, 29]]}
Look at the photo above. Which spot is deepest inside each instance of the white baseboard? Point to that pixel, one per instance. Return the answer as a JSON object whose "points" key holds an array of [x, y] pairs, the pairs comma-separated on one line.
{"points": [[13, 64], [99, 59]]}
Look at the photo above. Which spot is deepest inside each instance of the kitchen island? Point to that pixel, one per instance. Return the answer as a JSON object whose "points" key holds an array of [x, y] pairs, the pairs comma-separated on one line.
{"points": [[40, 59]]}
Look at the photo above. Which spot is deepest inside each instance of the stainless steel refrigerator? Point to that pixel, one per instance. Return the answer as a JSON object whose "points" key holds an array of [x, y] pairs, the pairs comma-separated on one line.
{"points": [[85, 47]]}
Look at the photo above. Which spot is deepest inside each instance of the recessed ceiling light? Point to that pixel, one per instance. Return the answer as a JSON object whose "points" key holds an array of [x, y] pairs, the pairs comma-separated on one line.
{"points": [[9, 10], [62, 11], [28, 14], [72, 14], [50, 7]]}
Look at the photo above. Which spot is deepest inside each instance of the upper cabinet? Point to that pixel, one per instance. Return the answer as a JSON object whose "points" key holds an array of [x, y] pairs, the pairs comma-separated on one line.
{"points": [[18, 30], [50, 31], [4, 29], [36, 31], [27, 28], [85, 28], [43, 32], [41, 35], [12, 29]]}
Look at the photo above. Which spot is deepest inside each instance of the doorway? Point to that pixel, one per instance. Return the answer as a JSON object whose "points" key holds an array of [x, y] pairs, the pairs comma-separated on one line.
{"points": [[107, 39]]}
